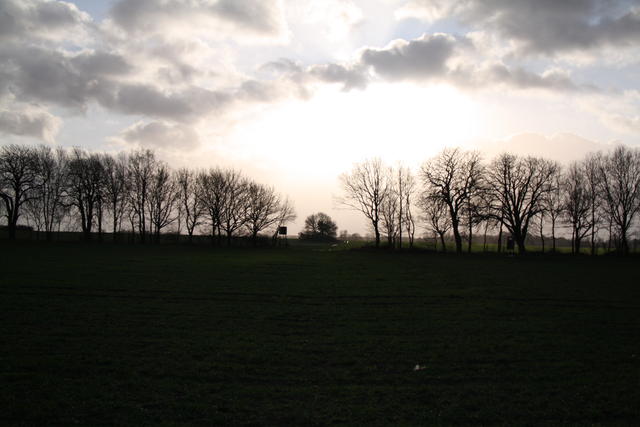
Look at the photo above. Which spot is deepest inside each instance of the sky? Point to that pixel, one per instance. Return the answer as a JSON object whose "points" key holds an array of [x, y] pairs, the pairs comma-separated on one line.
{"points": [[293, 92]]}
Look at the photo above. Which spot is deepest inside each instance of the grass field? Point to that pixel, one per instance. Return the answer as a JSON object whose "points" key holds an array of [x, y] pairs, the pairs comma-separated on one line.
{"points": [[104, 334]]}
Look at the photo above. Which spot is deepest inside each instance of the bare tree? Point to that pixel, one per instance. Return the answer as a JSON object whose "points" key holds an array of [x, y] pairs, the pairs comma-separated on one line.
{"points": [[286, 214], [116, 188], [18, 168], [437, 218], [402, 187], [620, 185], [49, 193], [407, 189], [163, 196], [140, 172], [211, 193], [263, 208], [591, 165], [553, 203], [191, 207], [85, 182], [453, 176], [519, 185], [234, 209], [390, 211], [365, 189], [577, 203]]}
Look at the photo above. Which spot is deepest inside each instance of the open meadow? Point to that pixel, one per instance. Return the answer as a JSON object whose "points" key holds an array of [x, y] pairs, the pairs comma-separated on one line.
{"points": [[169, 335]]}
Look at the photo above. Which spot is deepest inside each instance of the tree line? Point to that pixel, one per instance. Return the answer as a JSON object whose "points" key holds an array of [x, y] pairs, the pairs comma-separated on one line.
{"points": [[457, 192], [58, 189]]}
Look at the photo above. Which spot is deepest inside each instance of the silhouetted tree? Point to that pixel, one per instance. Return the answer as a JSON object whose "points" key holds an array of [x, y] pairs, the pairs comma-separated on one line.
{"points": [[52, 173], [519, 186], [192, 208], [162, 199], [319, 227], [403, 187], [577, 204], [86, 177], [553, 203], [262, 210], [591, 165], [116, 188], [286, 214], [18, 169], [391, 219], [453, 176], [620, 186], [365, 189], [140, 173], [235, 203], [409, 186], [436, 217]]}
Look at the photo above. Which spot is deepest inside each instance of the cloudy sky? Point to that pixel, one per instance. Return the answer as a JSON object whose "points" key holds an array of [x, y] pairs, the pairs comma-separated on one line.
{"points": [[294, 91]]}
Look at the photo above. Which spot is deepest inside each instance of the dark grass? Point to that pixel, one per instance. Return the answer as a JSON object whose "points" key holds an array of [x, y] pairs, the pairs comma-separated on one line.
{"points": [[107, 334]]}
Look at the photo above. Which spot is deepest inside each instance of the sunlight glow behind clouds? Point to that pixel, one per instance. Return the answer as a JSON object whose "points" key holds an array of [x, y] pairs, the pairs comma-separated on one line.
{"points": [[400, 122]]}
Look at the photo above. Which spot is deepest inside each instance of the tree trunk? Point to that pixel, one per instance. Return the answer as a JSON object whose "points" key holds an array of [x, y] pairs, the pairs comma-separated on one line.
{"points": [[484, 240], [444, 245], [457, 237], [12, 231], [520, 241], [593, 232]]}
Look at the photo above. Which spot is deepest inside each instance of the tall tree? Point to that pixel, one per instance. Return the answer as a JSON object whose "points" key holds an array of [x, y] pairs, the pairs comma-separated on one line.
{"points": [[391, 218], [116, 188], [365, 189], [620, 186], [553, 203], [235, 203], [577, 203], [86, 177], [453, 176], [263, 208], [436, 217], [140, 173], [18, 172], [191, 206], [591, 165], [519, 185], [409, 189], [51, 190], [163, 196]]}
